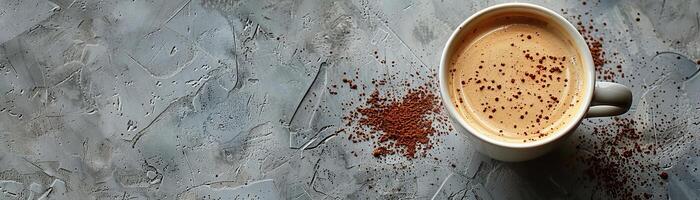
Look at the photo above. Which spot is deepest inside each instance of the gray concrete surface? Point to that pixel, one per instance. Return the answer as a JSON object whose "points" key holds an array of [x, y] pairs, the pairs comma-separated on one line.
{"points": [[226, 99]]}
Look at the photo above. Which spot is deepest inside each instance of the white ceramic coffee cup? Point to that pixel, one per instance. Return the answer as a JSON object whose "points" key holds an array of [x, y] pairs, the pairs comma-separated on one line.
{"points": [[599, 98]]}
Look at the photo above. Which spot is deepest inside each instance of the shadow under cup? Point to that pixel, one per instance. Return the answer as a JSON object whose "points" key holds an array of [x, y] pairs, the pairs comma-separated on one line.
{"points": [[508, 150]]}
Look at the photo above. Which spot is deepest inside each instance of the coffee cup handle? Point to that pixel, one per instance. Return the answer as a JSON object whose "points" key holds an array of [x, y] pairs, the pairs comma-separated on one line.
{"points": [[609, 99]]}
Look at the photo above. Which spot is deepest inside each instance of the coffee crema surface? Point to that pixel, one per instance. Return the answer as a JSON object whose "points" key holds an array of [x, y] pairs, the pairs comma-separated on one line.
{"points": [[516, 78]]}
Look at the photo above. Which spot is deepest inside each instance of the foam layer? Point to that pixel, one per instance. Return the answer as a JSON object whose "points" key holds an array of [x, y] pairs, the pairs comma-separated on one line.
{"points": [[517, 79]]}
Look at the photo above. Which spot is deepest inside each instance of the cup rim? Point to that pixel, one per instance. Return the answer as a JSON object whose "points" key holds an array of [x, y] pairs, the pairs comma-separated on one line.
{"points": [[580, 45]]}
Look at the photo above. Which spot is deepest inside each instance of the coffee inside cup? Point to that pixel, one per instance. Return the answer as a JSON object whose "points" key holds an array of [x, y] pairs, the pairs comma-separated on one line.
{"points": [[516, 77]]}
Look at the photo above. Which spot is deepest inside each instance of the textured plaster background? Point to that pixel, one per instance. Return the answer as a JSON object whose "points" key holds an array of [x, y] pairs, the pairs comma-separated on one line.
{"points": [[190, 99]]}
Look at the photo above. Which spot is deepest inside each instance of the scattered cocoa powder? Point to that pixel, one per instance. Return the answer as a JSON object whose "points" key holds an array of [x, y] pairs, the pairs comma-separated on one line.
{"points": [[617, 159], [590, 32], [617, 156], [595, 45]]}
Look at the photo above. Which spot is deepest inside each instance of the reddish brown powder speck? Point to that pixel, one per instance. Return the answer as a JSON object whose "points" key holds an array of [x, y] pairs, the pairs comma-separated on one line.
{"points": [[379, 151], [350, 83]]}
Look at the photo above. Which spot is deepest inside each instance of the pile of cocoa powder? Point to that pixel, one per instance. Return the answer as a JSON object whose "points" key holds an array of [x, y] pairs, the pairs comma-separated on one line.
{"points": [[395, 122], [402, 124]]}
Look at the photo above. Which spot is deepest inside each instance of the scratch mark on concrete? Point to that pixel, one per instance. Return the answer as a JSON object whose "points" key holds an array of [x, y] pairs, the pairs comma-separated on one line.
{"points": [[306, 146], [170, 106], [156, 118], [405, 45], [697, 70], [309, 92], [67, 78], [13, 66], [697, 22], [223, 182], [150, 73], [557, 185], [262, 106], [46, 194], [177, 11], [277, 167], [40, 169], [313, 177], [255, 33], [189, 165], [663, 4], [442, 186], [407, 7], [481, 192]]}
